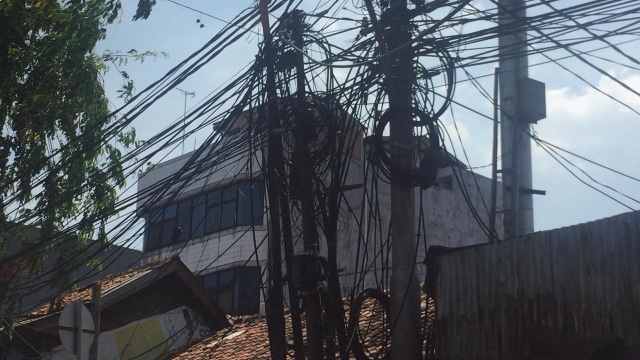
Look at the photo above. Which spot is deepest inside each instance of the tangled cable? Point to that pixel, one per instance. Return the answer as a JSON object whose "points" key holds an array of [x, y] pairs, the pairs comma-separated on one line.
{"points": [[424, 175], [356, 335]]}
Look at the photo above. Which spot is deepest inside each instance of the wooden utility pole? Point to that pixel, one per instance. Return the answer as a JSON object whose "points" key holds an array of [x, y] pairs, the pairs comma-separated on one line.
{"points": [[514, 123], [274, 301], [304, 128], [405, 291]]}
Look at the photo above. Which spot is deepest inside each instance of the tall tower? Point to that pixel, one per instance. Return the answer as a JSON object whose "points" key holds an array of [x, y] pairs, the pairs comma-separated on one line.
{"points": [[521, 103]]}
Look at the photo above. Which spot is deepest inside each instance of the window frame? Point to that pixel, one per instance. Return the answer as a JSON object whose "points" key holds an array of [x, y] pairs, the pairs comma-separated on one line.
{"points": [[225, 207], [243, 289]]}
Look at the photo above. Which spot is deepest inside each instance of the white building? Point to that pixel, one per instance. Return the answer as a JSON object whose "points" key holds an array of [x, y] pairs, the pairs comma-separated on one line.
{"points": [[209, 207]]}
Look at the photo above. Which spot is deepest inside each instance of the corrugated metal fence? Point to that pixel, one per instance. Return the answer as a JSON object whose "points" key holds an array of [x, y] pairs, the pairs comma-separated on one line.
{"points": [[583, 280]]}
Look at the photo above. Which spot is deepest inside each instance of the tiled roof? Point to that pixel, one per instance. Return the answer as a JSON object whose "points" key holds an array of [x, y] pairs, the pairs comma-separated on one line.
{"points": [[247, 338], [84, 293]]}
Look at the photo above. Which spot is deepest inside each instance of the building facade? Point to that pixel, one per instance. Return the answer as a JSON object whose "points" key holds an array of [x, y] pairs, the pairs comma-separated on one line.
{"points": [[210, 208]]}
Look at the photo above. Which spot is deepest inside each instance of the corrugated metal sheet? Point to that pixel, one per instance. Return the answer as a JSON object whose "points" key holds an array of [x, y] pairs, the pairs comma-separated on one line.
{"points": [[583, 279]]}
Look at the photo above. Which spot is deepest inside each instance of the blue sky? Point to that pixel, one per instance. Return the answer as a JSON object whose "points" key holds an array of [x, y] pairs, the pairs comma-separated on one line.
{"points": [[579, 119]]}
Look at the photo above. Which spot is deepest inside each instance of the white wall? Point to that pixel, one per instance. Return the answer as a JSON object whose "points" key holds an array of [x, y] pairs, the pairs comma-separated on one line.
{"points": [[448, 222], [217, 251], [207, 172], [447, 217]]}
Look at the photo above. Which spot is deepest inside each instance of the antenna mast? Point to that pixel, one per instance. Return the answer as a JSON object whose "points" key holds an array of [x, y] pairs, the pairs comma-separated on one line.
{"points": [[184, 114]]}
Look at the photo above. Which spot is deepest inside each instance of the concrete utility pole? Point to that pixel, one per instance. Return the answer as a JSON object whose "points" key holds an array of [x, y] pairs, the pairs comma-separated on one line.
{"points": [[405, 292], [515, 122]]}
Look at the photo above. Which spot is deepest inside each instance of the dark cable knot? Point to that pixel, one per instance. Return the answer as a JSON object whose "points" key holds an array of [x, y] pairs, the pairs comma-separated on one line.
{"points": [[426, 173]]}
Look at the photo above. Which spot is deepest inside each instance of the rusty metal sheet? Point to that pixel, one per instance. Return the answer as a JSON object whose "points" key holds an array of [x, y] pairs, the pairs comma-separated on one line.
{"points": [[582, 280]]}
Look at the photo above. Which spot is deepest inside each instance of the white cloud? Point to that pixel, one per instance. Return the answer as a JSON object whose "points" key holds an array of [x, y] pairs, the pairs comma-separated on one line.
{"points": [[588, 123]]}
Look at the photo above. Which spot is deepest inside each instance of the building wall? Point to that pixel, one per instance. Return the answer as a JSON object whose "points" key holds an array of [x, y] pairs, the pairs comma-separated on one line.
{"points": [[202, 173], [363, 246], [214, 251], [448, 221], [232, 247], [226, 249]]}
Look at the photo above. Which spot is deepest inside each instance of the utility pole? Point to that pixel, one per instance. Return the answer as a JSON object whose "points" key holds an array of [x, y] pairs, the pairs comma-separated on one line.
{"points": [[515, 125], [405, 291], [274, 301], [304, 129]]}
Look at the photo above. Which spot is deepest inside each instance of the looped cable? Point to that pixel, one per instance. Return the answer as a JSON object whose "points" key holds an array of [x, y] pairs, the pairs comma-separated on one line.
{"points": [[425, 174], [357, 346]]}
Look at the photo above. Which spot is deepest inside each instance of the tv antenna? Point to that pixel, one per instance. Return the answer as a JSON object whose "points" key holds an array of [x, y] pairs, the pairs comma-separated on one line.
{"points": [[184, 114]]}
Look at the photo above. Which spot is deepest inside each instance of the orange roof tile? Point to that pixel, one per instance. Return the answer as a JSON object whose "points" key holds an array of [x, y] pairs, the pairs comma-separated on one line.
{"points": [[247, 338], [117, 291]]}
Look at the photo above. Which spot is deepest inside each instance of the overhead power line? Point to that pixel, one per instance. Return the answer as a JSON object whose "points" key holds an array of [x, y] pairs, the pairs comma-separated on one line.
{"points": [[581, 30]]}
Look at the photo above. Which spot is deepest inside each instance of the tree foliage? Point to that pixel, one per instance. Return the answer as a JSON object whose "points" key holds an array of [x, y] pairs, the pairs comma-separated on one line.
{"points": [[60, 166]]}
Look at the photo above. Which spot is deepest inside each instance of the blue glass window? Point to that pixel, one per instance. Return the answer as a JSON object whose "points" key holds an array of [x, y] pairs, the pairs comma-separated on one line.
{"points": [[237, 204], [236, 290]]}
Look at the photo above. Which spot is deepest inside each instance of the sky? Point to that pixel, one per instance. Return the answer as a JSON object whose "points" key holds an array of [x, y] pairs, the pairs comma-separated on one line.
{"points": [[579, 118]]}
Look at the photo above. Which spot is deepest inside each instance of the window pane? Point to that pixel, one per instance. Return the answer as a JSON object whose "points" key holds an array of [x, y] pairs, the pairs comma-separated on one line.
{"points": [[248, 291], [213, 198], [228, 213], [198, 217], [244, 203], [156, 215], [153, 236], [225, 300], [250, 213], [210, 281], [213, 219], [184, 220], [225, 278], [169, 234], [213, 212], [229, 193], [237, 290], [258, 202], [170, 211], [221, 286]]}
